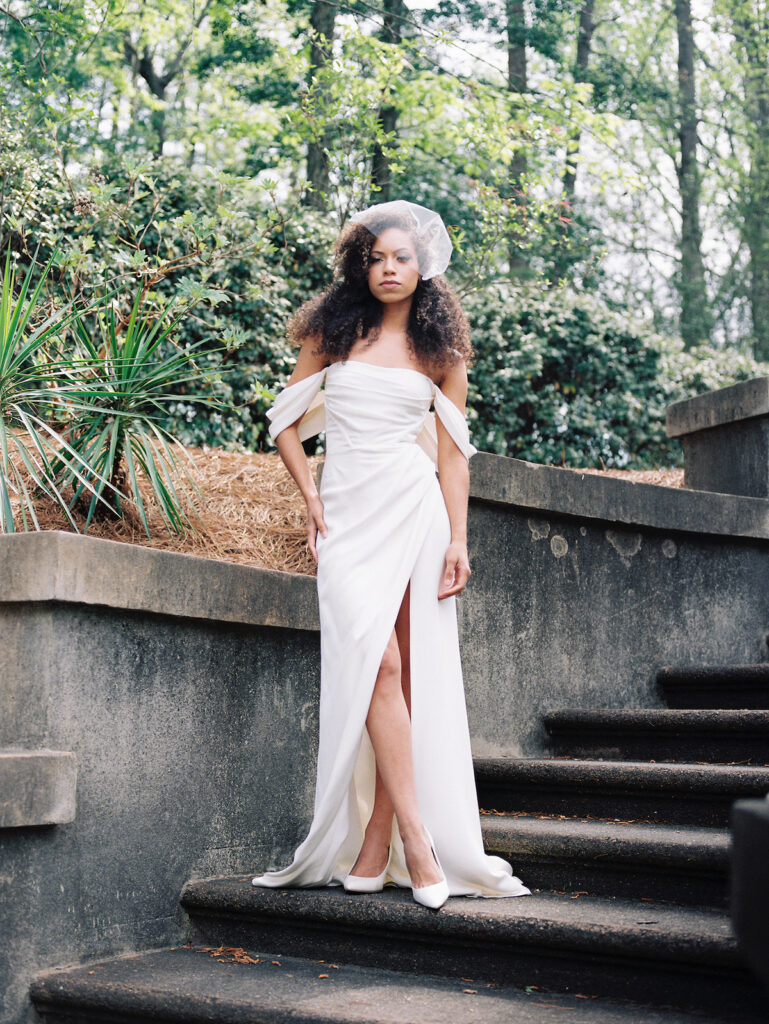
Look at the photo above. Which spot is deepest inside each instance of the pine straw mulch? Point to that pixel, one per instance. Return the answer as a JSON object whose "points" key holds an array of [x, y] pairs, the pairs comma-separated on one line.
{"points": [[661, 477], [253, 514]]}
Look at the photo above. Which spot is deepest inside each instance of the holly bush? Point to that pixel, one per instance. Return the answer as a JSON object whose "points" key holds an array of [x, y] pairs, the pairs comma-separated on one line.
{"points": [[561, 379]]}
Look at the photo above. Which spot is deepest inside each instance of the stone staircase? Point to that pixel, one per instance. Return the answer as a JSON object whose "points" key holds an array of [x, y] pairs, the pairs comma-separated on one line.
{"points": [[622, 832]]}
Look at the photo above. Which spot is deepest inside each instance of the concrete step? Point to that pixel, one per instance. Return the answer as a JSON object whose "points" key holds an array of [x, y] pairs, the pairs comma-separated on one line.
{"points": [[715, 686], [679, 863], [681, 794], [201, 984], [610, 948], [661, 734]]}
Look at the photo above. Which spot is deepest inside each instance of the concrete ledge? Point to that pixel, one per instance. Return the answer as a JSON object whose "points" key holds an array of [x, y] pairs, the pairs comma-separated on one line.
{"points": [[505, 481], [715, 408], [37, 787], [59, 566]]}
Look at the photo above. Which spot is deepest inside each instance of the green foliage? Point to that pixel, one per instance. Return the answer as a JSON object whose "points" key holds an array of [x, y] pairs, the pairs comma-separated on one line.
{"points": [[118, 392], [28, 403], [560, 379], [260, 297], [82, 399]]}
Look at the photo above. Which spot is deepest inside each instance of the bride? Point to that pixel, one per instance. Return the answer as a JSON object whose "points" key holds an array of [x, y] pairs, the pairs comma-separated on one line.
{"points": [[395, 798]]}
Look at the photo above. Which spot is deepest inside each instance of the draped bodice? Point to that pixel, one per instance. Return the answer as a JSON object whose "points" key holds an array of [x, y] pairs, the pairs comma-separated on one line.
{"points": [[369, 407], [366, 407]]}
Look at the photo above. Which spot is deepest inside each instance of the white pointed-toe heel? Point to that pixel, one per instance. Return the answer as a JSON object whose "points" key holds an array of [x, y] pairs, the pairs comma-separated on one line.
{"points": [[435, 895], [367, 883]]}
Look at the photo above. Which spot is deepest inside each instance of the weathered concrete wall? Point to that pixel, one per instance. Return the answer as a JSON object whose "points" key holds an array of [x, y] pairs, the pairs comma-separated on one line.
{"points": [[583, 586], [194, 739], [187, 689]]}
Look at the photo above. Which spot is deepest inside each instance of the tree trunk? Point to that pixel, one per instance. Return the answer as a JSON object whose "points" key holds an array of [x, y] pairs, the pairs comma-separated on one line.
{"points": [[757, 222], [393, 11], [517, 82], [321, 39], [752, 37], [158, 122], [562, 259], [695, 318], [584, 43]]}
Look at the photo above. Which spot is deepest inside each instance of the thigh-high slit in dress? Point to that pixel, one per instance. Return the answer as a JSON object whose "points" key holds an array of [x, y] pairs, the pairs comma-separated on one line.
{"points": [[387, 525]]}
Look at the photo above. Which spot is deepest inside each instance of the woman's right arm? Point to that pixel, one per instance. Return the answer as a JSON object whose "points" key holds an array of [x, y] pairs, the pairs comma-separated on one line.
{"points": [[292, 453]]}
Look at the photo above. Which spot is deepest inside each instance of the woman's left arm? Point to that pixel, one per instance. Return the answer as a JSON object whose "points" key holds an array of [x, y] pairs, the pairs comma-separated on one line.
{"points": [[454, 476]]}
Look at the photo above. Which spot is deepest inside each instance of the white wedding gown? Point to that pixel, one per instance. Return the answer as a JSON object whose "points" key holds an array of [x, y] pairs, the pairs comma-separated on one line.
{"points": [[387, 524]]}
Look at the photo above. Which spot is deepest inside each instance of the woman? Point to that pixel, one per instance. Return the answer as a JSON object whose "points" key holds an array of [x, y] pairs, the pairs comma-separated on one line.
{"points": [[395, 797]]}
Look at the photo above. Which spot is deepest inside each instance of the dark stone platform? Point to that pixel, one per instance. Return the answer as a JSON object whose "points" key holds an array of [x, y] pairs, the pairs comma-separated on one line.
{"points": [[185, 985]]}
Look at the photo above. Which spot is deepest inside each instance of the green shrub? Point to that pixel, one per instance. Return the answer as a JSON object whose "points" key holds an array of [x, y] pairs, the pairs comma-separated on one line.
{"points": [[119, 392], [190, 233], [560, 379], [261, 294]]}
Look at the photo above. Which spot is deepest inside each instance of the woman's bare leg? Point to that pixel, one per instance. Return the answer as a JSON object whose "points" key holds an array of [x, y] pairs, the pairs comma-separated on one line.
{"points": [[374, 851], [389, 726]]}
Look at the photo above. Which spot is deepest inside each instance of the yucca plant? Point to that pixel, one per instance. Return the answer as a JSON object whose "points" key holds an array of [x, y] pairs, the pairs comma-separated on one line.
{"points": [[119, 394], [33, 453]]}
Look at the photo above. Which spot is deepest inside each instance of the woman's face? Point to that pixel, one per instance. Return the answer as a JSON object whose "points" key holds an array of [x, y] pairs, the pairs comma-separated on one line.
{"points": [[393, 272]]}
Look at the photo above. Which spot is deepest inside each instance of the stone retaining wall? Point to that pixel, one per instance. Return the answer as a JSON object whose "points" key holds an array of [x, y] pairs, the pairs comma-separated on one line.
{"points": [[583, 586]]}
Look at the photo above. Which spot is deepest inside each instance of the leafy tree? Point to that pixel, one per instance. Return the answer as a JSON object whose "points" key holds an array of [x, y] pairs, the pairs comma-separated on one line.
{"points": [[750, 26]]}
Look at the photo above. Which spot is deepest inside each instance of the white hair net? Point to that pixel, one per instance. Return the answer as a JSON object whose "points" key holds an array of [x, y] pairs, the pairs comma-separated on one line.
{"points": [[431, 238]]}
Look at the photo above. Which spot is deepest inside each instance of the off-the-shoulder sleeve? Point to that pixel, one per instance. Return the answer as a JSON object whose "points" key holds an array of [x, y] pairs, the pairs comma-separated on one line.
{"points": [[454, 422], [302, 398]]}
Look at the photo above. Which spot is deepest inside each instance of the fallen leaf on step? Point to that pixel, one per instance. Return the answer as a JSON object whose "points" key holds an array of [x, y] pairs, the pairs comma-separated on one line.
{"points": [[322, 975], [470, 991]]}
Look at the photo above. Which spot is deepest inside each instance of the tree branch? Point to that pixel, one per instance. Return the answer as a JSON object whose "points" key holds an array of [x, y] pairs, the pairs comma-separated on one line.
{"points": [[157, 83], [176, 62], [20, 21]]}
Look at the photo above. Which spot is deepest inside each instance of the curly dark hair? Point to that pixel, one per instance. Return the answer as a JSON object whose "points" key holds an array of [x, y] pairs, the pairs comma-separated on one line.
{"points": [[437, 330]]}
